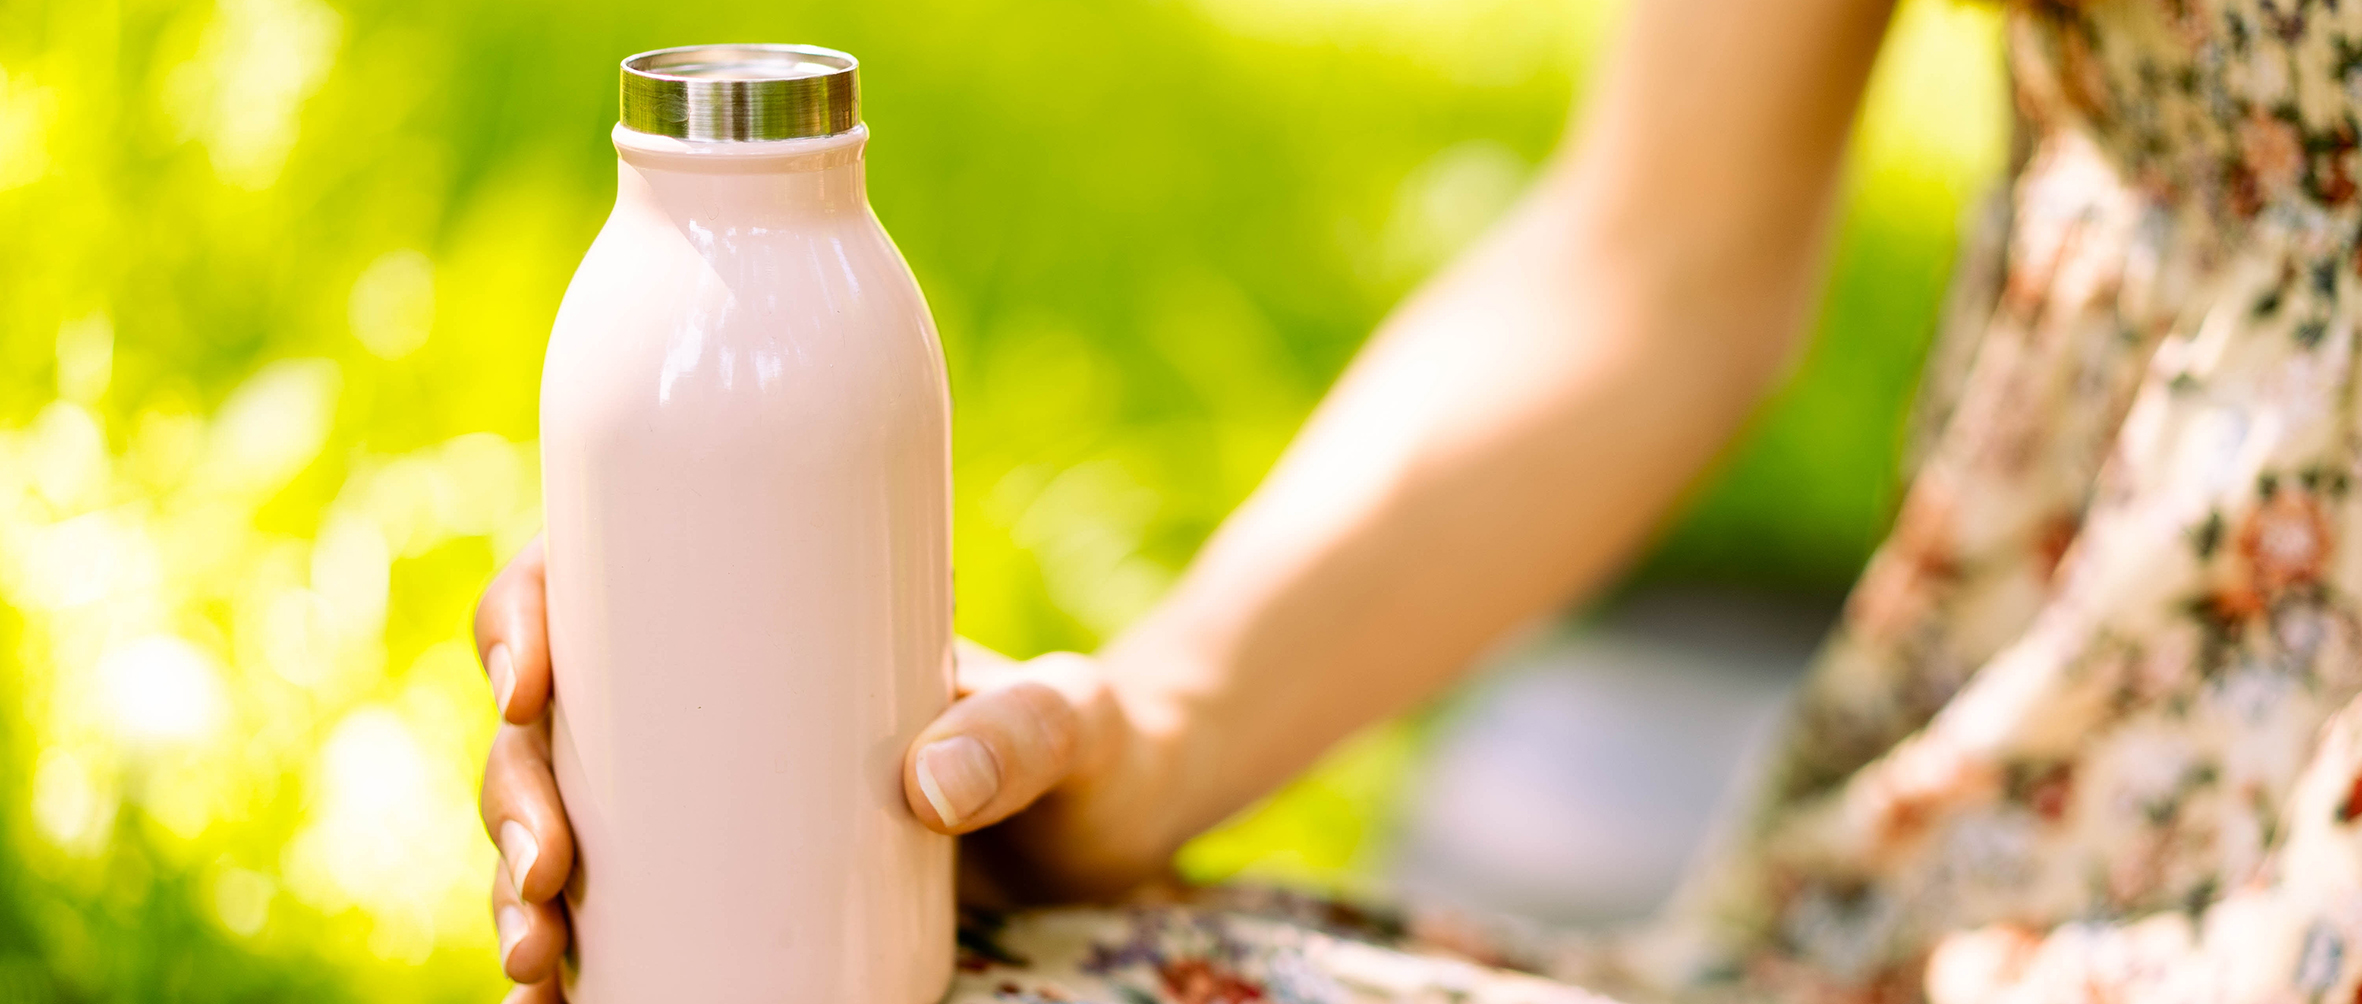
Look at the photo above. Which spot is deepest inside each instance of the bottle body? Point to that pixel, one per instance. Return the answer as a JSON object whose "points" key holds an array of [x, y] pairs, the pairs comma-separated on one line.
{"points": [[745, 442]]}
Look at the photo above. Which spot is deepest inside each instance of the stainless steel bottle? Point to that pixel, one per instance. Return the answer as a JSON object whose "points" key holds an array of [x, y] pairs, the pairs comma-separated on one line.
{"points": [[745, 440]]}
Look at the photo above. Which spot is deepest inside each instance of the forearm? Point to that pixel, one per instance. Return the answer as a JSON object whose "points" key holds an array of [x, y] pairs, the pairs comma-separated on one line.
{"points": [[1503, 446], [1519, 427]]}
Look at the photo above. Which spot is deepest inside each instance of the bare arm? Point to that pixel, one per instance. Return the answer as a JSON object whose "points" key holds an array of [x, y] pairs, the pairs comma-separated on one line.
{"points": [[1519, 427]]}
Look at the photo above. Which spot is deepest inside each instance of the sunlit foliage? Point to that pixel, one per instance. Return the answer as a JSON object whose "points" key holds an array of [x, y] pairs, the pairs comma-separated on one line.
{"points": [[274, 281]]}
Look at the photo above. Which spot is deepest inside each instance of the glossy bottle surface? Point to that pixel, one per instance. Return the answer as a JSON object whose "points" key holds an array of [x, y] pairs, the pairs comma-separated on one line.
{"points": [[745, 448]]}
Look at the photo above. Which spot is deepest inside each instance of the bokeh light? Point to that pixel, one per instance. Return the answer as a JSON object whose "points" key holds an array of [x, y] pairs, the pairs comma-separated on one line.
{"points": [[275, 277]]}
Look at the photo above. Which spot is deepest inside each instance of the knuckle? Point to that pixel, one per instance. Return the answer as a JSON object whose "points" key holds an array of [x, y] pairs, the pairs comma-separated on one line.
{"points": [[509, 773], [1050, 718], [508, 747], [1066, 663], [495, 791], [495, 595]]}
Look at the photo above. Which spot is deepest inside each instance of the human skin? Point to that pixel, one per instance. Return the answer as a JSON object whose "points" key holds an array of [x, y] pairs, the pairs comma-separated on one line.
{"points": [[1510, 436]]}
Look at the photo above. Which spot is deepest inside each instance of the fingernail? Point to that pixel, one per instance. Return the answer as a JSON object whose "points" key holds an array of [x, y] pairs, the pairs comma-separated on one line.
{"points": [[503, 671], [510, 921], [958, 776], [519, 847]]}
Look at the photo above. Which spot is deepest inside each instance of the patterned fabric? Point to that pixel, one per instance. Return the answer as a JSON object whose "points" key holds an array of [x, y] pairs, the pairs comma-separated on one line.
{"points": [[2089, 729], [1206, 954]]}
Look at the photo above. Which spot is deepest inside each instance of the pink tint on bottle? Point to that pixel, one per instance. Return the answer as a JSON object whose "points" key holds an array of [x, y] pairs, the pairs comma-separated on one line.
{"points": [[746, 466]]}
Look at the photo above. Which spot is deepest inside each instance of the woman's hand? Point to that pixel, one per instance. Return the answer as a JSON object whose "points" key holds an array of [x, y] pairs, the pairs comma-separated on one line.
{"points": [[1044, 753]]}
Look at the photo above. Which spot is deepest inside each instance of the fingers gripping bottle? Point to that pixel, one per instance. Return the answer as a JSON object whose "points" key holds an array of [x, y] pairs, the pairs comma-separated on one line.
{"points": [[746, 467]]}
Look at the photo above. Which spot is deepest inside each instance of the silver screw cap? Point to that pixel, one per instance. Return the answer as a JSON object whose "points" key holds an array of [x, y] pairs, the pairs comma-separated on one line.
{"points": [[741, 92]]}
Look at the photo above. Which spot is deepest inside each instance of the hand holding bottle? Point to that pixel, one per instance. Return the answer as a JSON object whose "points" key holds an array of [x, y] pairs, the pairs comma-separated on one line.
{"points": [[1041, 756]]}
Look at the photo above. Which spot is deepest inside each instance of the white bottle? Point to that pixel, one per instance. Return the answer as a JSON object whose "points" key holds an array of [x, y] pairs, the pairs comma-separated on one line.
{"points": [[746, 467]]}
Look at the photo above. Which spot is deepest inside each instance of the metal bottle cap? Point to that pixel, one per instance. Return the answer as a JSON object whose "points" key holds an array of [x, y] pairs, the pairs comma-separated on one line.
{"points": [[741, 92]]}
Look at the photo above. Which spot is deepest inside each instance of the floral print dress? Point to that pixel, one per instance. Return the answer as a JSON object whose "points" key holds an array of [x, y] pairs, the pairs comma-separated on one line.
{"points": [[2090, 728]]}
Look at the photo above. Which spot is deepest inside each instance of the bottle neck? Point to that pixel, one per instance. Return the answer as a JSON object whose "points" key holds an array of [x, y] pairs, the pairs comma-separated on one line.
{"points": [[748, 183]]}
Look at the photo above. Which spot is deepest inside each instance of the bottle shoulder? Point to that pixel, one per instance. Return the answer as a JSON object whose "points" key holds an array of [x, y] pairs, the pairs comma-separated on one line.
{"points": [[742, 262], [762, 322]]}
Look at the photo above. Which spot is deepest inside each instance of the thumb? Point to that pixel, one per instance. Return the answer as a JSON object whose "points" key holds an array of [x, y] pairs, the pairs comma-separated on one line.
{"points": [[1015, 736]]}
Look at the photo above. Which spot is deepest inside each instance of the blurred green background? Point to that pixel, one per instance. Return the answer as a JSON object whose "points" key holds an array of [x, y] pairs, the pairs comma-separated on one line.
{"points": [[275, 277]]}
